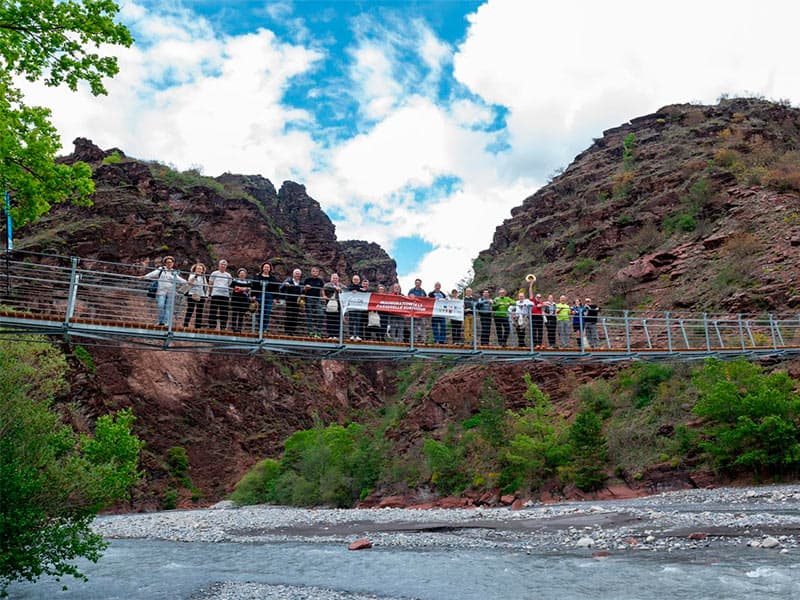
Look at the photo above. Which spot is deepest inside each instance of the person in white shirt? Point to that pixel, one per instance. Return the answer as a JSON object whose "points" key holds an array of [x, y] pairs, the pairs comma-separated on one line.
{"points": [[167, 277], [520, 315], [220, 282]]}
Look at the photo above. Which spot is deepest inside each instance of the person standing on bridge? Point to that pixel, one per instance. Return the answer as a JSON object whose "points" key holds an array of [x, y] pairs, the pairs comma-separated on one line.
{"points": [[456, 327], [196, 296], [438, 324], [500, 307], [167, 277], [240, 299], [312, 288], [417, 323], [469, 310], [578, 311], [484, 309], [220, 281], [590, 323], [562, 319], [292, 289], [332, 306], [265, 286]]}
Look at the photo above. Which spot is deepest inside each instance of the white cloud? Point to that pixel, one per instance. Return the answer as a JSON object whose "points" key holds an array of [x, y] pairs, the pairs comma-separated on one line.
{"points": [[568, 70], [189, 95]]}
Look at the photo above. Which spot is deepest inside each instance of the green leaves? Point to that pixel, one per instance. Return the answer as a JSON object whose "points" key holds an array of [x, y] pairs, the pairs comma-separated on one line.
{"points": [[332, 465], [751, 417], [48, 39], [52, 481]]}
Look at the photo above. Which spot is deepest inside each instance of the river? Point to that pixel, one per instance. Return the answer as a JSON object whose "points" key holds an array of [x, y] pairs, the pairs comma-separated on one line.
{"points": [[623, 550]]}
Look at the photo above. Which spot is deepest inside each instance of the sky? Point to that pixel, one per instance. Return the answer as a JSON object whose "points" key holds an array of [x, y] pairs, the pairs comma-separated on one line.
{"points": [[418, 125]]}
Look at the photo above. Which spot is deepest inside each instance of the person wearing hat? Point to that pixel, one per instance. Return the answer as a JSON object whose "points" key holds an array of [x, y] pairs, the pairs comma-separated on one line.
{"points": [[167, 276]]}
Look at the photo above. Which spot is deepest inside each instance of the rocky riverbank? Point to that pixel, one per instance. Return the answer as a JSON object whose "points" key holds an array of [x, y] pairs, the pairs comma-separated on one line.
{"points": [[760, 517]]}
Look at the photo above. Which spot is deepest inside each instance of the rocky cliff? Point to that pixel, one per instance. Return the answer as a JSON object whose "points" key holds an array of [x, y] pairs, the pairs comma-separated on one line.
{"points": [[694, 207], [691, 207], [224, 411]]}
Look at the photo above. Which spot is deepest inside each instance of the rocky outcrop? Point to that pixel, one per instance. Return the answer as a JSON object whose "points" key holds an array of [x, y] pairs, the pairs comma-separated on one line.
{"points": [[226, 411], [370, 261], [702, 214]]}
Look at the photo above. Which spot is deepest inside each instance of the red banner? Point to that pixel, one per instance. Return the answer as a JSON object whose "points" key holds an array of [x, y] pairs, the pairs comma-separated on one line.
{"points": [[407, 306]]}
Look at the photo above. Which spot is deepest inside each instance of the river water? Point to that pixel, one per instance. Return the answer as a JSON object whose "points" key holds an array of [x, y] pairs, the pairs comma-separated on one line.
{"points": [[148, 569]]}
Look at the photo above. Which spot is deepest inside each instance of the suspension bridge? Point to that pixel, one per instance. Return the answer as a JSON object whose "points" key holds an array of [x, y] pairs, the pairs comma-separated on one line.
{"points": [[93, 302]]}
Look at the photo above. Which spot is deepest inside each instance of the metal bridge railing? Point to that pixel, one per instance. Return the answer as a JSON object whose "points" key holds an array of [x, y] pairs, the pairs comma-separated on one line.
{"points": [[54, 294]]}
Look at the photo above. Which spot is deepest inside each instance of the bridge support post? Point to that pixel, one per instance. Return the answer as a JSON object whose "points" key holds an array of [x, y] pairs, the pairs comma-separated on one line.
{"points": [[705, 330], [411, 334], [741, 331], [719, 334], [627, 332], [647, 333], [474, 329], [73, 290], [683, 331], [669, 332], [773, 327], [171, 301], [261, 311]]}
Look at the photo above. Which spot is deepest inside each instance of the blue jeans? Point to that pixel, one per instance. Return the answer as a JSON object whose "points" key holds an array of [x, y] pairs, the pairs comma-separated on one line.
{"points": [[439, 327], [162, 301], [266, 310]]}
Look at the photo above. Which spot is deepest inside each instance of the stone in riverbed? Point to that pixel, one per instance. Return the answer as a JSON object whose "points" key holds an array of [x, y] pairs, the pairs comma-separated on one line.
{"points": [[585, 542], [361, 544], [770, 542]]}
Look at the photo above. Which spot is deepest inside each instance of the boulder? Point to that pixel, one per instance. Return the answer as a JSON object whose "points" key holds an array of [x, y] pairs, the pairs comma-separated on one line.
{"points": [[361, 544]]}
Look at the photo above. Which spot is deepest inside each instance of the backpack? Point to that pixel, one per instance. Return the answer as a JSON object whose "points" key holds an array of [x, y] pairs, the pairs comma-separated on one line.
{"points": [[152, 289]]}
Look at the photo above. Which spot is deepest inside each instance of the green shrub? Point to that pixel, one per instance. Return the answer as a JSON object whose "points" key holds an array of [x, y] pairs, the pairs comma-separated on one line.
{"points": [[169, 499], [628, 145], [258, 484], [589, 448], [446, 463], [643, 379], [751, 418], [178, 461], [584, 266], [86, 359], [538, 443], [596, 397], [331, 465], [681, 221], [112, 159]]}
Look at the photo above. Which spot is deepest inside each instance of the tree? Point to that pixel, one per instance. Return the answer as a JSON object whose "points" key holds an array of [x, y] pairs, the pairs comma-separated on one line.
{"points": [[752, 418], [49, 40], [52, 480]]}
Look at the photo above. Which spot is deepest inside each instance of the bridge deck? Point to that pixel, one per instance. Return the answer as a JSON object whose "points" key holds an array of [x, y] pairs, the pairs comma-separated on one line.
{"points": [[105, 303]]}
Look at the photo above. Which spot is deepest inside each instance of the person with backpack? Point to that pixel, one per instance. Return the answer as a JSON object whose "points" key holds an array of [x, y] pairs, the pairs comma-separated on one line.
{"points": [[167, 277]]}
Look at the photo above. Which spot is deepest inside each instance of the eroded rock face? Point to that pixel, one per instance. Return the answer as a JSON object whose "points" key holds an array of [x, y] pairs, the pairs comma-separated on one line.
{"points": [[370, 261], [226, 411], [678, 226]]}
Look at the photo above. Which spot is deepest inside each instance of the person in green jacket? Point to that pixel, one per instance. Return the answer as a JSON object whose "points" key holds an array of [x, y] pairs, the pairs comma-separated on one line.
{"points": [[500, 313], [563, 312]]}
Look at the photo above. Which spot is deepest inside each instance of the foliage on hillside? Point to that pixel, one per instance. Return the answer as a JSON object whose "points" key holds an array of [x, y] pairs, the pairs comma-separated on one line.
{"points": [[732, 417]]}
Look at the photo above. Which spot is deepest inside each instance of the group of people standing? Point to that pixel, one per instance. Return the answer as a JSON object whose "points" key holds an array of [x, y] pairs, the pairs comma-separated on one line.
{"points": [[550, 323], [218, 298]]}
